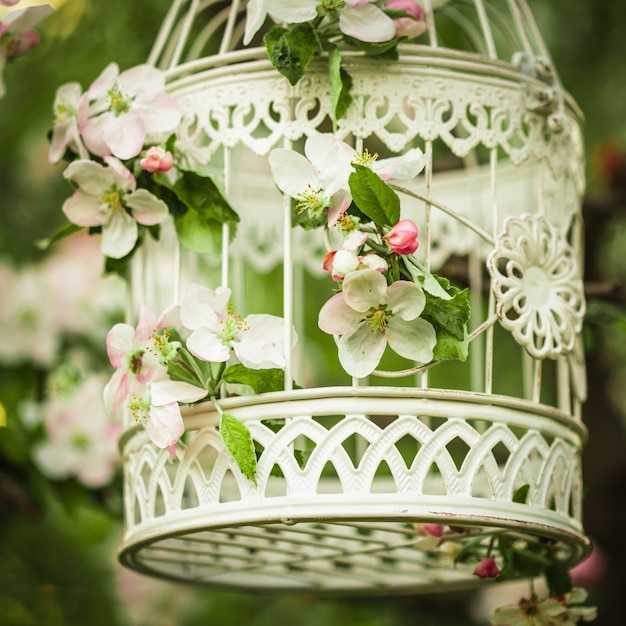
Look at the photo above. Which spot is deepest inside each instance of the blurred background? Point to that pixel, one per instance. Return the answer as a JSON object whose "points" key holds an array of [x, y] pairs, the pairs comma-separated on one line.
{"points": [[60, 510]]}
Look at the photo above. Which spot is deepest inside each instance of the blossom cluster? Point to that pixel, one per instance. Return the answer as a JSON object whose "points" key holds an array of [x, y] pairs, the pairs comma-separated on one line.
{"points": [[385, 294], [183, 357], [17, 32]]}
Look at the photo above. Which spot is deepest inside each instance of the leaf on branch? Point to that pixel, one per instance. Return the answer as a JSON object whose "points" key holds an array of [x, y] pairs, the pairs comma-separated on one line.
{"points": [[238, 441], [261, 381], [374, 197], [62, 233], [340, 84], [291, 50], [450, 318], [521, 495]]}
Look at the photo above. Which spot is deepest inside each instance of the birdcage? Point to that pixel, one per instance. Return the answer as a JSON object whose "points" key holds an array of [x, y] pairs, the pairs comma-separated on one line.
{"points": [[399, 480]]}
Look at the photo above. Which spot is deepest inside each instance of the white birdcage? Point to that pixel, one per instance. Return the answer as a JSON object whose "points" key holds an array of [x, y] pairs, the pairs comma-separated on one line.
{"points": [[488, 448]]}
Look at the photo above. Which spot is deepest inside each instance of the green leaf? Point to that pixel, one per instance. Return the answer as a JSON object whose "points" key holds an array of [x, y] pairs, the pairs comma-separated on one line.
{"points": [[199, 235], [291, 50], [238, 441], [521, 495], [62, 233], [340, 84], [261, 381], [450, 318], [202, 195], [374, 197]]}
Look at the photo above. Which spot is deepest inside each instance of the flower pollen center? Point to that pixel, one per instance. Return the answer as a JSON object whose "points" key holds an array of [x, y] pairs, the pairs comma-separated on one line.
{"points": [[135, 362], [378, 319], [364, 158], [139, 408], [332, 5], [118, 103], [111, 201], [311, 200], [63, 112], [231, 327]]}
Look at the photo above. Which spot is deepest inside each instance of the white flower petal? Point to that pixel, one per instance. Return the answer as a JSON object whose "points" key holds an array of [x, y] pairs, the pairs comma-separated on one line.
{"points": [[255, 17], [293, 173], [161, 113], [364, 289], [262, 345], [204, 344], [165, 425], [200, 306], [119, 342], [403, 167], [123, 134], [366, 23], [337, 318], [413, 340], [84, 209], [292, 11], [405, 299], [90, 176], [360, 351], [147, 209], [119, 235], [164, 392]]}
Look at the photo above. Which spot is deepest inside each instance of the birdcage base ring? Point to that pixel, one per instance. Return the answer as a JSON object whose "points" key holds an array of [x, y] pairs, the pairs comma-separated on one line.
{"points": [[346, 480]]}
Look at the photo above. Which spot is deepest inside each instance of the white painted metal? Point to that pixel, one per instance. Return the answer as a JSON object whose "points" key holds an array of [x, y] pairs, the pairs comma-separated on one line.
{"points": [[505, 175]]}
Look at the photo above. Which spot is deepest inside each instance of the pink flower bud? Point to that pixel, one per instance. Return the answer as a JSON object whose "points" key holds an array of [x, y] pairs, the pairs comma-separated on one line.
{"points": [[434, 530], [402, 238], [328, 261], [487, 568], [9, 3], [157, 160], [406, 25]]}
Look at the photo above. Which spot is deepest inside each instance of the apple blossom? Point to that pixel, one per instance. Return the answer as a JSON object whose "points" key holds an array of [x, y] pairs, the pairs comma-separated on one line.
{"points": [[129, 351], [128, 109], [487, 568], [107, 196], [157, 160], [410, 27], [402, 238], [357, 18], [77, 444], [216, 330], [17, 35], [548, 612], [319, 180], [69, 105], [156, 408], [367, 315]]}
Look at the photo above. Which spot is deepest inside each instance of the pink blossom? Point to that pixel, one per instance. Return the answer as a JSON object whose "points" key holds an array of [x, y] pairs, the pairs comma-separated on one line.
{"points": [[487, 568], [402, 238], [79, 443], [410, 27], [128, 351], [128, 109], [157, 160], [9, 3]]}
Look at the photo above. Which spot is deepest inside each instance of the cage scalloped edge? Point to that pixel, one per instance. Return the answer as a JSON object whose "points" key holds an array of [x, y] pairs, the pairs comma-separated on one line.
{"points": [[324, 524]]}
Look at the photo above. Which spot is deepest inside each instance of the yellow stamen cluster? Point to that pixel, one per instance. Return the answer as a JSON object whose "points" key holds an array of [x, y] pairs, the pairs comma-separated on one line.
{"points": [[311, 200], [139, 408], [117, 102], [365, 158], [332, 5], [378, 319]]}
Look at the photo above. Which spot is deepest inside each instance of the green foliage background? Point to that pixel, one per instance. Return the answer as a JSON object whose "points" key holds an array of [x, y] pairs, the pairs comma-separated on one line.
{"points": [[57, 547]]}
